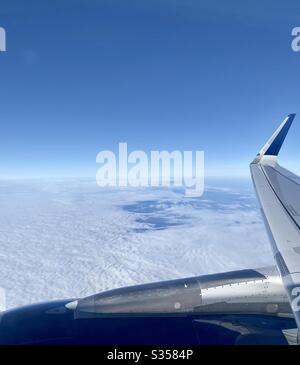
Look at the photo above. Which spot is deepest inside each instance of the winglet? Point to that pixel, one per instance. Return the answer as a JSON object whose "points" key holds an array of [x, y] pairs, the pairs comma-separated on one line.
{"points": [[273, 146]]}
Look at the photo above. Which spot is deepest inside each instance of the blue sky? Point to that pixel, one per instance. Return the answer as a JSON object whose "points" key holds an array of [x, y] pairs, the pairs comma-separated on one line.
{"points": [[80, 76]]}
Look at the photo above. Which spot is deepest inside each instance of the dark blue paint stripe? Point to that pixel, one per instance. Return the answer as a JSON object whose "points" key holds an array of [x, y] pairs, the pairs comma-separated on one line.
{"points": [[275, 147]]}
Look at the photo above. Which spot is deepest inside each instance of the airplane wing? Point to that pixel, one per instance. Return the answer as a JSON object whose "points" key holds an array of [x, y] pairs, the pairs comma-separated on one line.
{"points": [[278, 192]]}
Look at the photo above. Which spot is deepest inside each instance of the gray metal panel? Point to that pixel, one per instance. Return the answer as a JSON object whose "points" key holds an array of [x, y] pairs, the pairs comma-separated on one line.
{"points": [[244, 291], [287, 190], [278, 192], [272, 192]]}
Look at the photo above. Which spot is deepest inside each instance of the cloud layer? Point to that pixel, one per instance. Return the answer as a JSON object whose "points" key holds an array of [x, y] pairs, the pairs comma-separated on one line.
{"points": [[67, 239]]}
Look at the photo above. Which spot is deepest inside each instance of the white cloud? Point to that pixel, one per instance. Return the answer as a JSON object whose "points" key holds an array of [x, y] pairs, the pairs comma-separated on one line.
{"points": [[70, 239]]}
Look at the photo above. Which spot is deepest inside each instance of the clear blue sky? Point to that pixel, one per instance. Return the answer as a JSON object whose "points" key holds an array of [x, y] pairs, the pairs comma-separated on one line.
{"points": [[81, 76]]}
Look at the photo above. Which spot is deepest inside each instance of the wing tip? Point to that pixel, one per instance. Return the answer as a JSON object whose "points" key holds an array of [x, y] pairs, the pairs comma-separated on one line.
{"points": [[274, 144]]}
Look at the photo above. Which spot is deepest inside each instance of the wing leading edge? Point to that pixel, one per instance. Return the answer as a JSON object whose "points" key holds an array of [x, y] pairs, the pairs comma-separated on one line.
{"points": [[278, 192]]}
